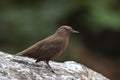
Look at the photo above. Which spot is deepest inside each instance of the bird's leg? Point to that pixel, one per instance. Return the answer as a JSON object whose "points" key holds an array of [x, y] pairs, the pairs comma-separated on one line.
{"points": [[48, 65]]}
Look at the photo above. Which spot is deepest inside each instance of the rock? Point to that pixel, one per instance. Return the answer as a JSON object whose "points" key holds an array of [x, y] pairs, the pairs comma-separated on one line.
{"points": [[23, 68]]}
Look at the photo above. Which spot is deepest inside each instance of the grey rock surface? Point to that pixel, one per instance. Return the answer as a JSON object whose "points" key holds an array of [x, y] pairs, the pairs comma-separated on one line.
{"points": [[23, 68]]}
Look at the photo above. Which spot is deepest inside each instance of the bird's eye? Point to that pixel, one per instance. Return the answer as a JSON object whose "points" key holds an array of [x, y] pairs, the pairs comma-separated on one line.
{"points": [[66, 29]]}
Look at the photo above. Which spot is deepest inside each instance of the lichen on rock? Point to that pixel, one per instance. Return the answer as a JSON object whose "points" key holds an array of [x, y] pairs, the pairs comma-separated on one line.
{"points": [[23, 68]]}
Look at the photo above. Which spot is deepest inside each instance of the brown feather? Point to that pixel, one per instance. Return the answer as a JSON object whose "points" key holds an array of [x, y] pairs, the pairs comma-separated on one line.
{"points": [[50, 47]]}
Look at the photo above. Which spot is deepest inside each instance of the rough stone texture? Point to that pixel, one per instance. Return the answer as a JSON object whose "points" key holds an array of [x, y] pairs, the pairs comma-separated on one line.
{"points": [[23, 68]]}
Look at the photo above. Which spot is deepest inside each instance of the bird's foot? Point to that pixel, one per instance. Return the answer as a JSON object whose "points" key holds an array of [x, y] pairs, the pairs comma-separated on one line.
{"points": [[50, 69]]}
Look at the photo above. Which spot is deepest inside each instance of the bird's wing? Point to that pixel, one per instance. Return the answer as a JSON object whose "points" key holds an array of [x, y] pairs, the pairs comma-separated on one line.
{"points": [[48, 50], [31, 51]]}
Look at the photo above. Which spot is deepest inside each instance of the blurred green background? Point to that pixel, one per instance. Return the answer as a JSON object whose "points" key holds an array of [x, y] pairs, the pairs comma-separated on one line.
{"points": [[24, 22]]}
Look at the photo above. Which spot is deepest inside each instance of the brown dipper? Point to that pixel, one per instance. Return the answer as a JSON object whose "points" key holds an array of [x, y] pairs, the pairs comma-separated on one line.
{"points": [[50, 47]]}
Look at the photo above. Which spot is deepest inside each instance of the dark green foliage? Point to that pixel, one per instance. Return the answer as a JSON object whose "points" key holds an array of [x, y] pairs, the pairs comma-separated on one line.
{"points": [[24, 22]]}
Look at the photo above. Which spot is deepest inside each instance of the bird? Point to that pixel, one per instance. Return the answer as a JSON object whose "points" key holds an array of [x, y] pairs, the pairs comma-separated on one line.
{"points": [[50, 47]]}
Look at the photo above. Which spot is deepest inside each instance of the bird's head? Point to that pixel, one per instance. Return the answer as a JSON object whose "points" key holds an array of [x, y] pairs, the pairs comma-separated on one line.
{"points": [[66, 30]]}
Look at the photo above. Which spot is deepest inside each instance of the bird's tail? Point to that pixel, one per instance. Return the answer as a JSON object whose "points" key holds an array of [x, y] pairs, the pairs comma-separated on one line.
{"points": [[19, 54]]}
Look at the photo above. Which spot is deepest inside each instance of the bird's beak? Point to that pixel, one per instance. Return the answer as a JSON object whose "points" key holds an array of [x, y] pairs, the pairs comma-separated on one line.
{"points": [[73, 31]]}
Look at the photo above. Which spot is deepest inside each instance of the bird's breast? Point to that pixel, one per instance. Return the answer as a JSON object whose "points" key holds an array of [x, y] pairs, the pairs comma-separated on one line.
{"points": [[63, 46]]}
